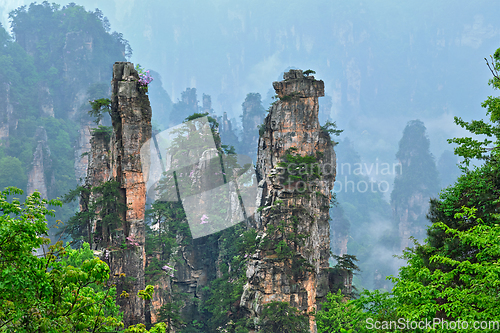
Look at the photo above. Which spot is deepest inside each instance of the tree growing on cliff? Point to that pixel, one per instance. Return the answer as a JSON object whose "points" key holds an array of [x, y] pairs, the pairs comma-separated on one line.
{"points": [[337, 314], [283, 318], [101, 205]]}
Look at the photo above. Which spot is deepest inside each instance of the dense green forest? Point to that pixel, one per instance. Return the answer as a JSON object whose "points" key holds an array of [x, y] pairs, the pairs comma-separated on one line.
{"points": [[59, 58], [450, 279]]}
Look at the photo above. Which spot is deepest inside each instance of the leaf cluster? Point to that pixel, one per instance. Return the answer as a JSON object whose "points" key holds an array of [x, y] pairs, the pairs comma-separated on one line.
{"points": [[58, 290], [102, 205], [281, 317], [99, 107], [470, 148]]}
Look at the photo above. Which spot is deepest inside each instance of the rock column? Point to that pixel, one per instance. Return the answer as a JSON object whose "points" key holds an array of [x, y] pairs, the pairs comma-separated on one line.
{"points": [[291, 264], [131, 119]]}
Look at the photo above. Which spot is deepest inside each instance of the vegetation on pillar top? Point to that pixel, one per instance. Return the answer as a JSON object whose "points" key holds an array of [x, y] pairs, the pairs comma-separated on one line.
{"points": [[105, 131], [309, 71], [144, 78]]}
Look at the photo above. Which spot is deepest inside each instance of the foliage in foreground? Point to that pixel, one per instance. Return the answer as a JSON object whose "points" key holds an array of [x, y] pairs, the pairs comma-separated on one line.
{"points": [[281, 317], [455, 274], [51, 288]]}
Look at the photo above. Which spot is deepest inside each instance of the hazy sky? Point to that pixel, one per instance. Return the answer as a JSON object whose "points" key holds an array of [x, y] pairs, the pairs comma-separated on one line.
{"points": [[383, 62]]}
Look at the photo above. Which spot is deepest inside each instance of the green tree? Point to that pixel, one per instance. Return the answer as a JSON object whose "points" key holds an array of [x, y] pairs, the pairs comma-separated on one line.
{"points": [[170, 314], [52, 289], [470, 148], [59, 290], [101, 204], [283, 318], [449, 288], [337, 314], [12, 173], [454, 274]]}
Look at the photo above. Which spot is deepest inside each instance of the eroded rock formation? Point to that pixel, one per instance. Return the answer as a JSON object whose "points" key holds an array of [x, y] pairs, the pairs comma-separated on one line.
{"points": [[416, 181], [118, 157], [6, 111], [37, 178], [296, 171]]}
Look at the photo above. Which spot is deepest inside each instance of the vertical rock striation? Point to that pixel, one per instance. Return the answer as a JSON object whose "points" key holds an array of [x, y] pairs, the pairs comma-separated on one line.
{"points": [[118, 157], [296, 171], [37, 178], [131, 119], [6, 110], [82, 150]]}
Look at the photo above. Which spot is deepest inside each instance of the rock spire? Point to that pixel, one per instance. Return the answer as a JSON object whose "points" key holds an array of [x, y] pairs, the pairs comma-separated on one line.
{"points": [[296, 170]]}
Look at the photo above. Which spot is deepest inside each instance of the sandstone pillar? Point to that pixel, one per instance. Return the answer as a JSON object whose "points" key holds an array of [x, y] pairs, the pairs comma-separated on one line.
{"points": [[131, 119], [291, 263]]}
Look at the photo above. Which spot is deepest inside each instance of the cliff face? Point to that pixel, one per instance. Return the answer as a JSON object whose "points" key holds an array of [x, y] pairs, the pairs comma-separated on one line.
{"points": [[195, 158], [411, 218], [252, 116], [296, 170], [416, 181], [131, 118], [37, 179], [118, 157], [82, 150], [55, 70]]}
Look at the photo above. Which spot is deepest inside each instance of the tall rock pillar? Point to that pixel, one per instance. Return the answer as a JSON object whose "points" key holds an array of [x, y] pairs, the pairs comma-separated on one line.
{"points": [[131, 119], [296, 170]]}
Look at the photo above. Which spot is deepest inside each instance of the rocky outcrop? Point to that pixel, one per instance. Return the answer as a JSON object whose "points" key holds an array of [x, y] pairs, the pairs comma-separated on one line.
{"points": [[45, 100], [296, 171], [195, 157], [131, 118], [6, 110], [339, 231], [37, 178], [411, 218], [117, 156], [82, 151], [99, 160], [416, 181], [207, 105], [226, 131], [252, 117]]}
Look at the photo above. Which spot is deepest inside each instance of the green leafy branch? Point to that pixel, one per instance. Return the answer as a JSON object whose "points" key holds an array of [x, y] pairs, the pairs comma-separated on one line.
{"points": [[99, 107]]}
